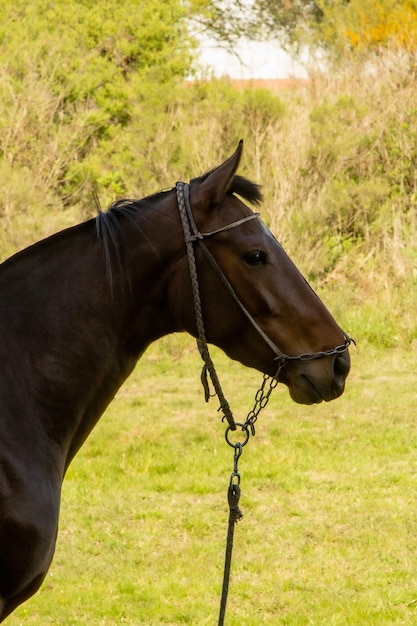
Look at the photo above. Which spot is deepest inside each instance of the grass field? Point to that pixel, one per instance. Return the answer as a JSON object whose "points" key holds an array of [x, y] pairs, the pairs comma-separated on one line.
{"points": [[329, 534]]}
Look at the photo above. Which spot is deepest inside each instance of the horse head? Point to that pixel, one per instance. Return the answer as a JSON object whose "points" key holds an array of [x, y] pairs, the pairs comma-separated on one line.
{"points": [[256, 305]]}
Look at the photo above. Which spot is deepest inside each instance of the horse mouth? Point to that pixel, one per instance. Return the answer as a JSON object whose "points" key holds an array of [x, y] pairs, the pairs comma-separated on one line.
{"points": [[310, 392]]}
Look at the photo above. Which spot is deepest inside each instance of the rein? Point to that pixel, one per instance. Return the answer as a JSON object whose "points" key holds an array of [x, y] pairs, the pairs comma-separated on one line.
{"points": [[193, 236]]}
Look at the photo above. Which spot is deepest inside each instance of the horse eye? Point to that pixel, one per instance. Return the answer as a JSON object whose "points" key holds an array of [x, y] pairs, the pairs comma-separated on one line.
{"points": [[256, 257]]}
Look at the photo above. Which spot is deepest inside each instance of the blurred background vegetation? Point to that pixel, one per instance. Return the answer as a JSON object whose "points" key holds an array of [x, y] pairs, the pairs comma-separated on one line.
{"points": [[100, 97]]}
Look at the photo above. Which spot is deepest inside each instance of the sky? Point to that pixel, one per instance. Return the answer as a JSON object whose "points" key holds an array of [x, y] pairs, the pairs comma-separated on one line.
{"points": [[257, 60]]}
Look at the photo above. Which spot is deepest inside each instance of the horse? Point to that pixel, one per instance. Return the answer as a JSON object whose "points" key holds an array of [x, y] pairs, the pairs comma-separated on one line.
{"points": [[79, 308]]}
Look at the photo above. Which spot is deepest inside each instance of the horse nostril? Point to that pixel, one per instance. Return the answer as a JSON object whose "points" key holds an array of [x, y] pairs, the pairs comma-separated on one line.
{"points": [[341, 366]]}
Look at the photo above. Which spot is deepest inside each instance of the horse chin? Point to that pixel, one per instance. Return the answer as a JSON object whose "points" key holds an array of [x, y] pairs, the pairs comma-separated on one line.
{"points": [[305, 394]]}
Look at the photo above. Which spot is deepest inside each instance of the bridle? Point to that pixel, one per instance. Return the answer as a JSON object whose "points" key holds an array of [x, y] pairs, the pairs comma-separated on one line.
{"points": [[191, 236]]}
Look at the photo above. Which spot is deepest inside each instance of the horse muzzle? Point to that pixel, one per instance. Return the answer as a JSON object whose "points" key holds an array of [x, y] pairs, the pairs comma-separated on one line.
{"points": [[318, 380]]}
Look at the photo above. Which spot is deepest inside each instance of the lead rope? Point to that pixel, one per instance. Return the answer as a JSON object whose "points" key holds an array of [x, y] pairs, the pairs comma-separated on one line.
{"points": [[235, 514], [234, 492]]}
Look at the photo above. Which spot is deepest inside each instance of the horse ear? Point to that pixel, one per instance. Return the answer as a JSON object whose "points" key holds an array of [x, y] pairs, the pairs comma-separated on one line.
{"points": [[212, 190]]}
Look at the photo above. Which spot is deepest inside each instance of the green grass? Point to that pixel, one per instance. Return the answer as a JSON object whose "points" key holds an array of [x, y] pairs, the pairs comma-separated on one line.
{"points": [[328, 495]]}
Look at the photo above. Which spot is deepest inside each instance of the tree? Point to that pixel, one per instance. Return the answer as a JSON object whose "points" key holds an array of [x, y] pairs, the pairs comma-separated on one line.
{"points": [[230, 20], [73, 75], [95, 48], [367, 25], [333, 28]]}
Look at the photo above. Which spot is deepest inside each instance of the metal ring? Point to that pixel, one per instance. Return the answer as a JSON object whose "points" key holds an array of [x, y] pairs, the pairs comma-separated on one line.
{"points": [[244, 428]]}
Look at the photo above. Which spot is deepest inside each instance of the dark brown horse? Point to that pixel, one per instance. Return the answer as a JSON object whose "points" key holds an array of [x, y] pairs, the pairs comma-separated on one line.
{"points": [[78, 309]]}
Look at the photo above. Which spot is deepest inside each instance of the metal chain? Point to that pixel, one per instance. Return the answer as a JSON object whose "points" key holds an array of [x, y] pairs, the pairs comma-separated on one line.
{"points": [[261, 400], [310, 356]]}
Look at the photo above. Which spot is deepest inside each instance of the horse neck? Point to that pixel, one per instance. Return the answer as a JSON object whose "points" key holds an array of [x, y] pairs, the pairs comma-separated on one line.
{"points": [[125, 283], [77, 337], [60, 289]]}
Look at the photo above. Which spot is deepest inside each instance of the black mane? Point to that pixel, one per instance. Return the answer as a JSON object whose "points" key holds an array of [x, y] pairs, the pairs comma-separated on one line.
{"points": [[110, 231], [246, 189]]}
